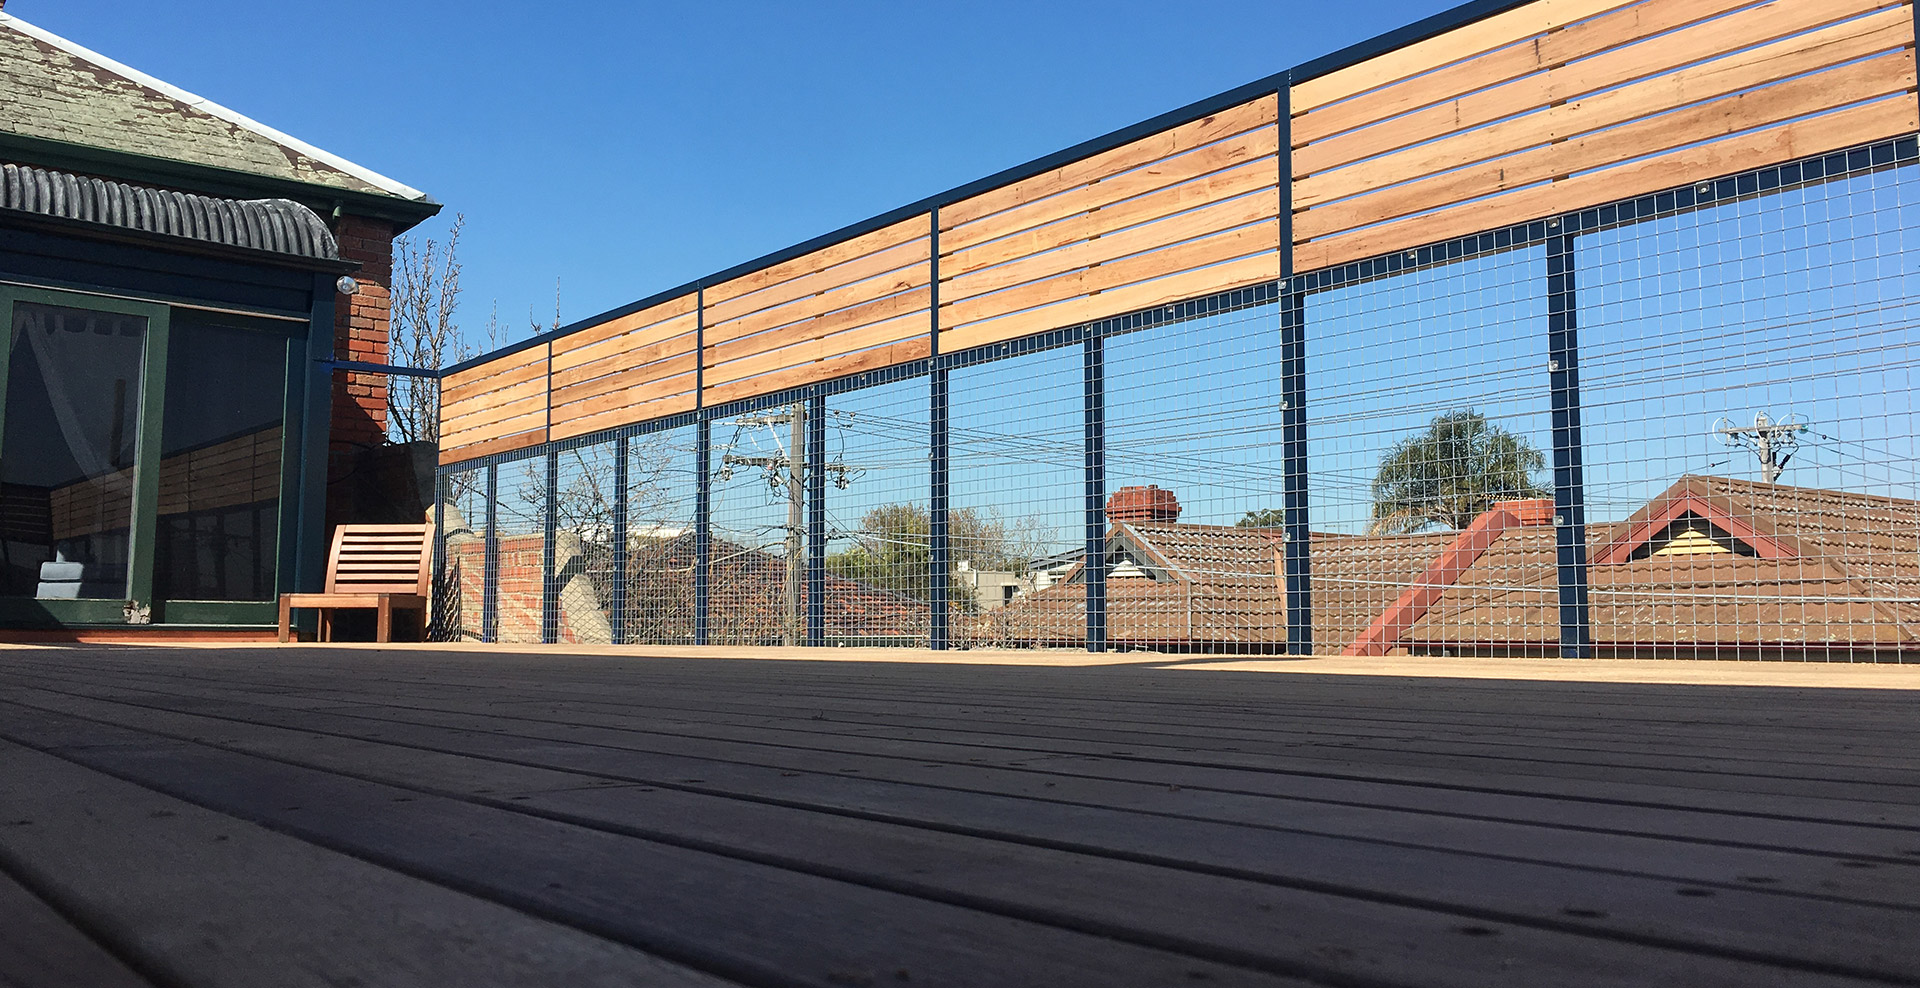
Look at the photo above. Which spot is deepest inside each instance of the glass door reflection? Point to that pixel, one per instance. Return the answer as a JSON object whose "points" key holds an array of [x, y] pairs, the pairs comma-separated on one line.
{"points": [[71, 433]]}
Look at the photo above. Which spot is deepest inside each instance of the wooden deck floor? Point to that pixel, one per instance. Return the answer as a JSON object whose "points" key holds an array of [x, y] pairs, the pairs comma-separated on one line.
{"points": [[346, 816]]}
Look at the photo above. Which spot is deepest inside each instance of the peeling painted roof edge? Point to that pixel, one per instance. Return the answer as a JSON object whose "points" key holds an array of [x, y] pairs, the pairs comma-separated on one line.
{"points": [[211, 108]]}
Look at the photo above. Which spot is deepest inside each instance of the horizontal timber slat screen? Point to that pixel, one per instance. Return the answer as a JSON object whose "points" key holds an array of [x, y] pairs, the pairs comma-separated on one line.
{"points": [[1439, 344]]}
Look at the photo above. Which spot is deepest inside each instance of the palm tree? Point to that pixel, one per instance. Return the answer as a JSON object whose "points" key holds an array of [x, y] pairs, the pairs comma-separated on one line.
{"points": [[1451, 473]]}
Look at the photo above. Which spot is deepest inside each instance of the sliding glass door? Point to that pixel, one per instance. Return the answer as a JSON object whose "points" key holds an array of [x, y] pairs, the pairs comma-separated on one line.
{"points": [[141, 462]]}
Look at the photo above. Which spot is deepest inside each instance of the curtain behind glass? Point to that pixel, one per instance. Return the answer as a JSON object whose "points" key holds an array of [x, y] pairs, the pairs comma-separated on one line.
{"points": [[67, 455]]}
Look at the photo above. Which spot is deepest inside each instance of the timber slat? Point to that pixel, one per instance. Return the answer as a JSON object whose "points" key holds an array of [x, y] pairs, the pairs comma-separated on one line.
{"points": [[824, 370], [1251, 270], [670, 404], [835, 302], [1822, 49], [1252, 176], [1465, 42], [1842, 129], [450, 453], [973, 244], [847, 272], [649, 372], [807, 351], [1239, 242], [885, 309], [1107, 247], [1884, 75], [666, 313], [1650, 66], [824, 258], [1251, 115], [1556, 48]]}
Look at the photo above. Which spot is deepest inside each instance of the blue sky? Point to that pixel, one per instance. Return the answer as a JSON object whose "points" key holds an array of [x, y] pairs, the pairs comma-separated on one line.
{"points": [[626, 148]]}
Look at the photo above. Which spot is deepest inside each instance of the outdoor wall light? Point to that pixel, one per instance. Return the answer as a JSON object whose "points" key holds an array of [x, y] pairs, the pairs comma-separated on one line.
{"points": [[347, 285]]}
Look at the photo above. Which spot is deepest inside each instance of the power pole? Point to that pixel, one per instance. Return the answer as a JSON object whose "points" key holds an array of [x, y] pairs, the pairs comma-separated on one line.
{"points": [[1773, 442], [788, 469], [796, 520]]}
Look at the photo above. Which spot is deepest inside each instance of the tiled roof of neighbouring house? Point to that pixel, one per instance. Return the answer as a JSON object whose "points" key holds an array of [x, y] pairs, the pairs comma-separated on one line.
{"points": [[1838, 570], [60, 91], [277, 226]]}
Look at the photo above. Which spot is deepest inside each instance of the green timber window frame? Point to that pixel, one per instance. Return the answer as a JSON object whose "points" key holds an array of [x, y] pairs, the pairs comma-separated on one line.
{"points": [[140, 607]]}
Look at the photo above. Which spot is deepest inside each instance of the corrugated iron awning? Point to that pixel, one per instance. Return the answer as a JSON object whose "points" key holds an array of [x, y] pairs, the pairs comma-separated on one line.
{"points": [[277, 226]]}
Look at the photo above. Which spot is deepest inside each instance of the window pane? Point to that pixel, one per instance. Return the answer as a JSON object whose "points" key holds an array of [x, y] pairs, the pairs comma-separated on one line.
{"points": [[219, 518], [66, 459]]}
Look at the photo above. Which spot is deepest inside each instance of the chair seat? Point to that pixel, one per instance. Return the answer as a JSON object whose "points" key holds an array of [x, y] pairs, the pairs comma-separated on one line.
{"points": [[401, 600], [367, 564]]}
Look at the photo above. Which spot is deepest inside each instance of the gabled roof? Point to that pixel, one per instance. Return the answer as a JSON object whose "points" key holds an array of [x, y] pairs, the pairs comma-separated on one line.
{"points": [[57, 90], [1844, 572]]}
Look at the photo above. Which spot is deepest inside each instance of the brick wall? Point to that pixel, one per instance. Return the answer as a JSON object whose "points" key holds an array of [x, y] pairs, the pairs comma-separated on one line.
{"points": [[360, 333]]}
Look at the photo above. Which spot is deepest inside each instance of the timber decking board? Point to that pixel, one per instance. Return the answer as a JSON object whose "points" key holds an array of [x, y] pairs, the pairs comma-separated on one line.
{"points": [[814, 823], [1211, 913], [1697, 861], [39, 948]]}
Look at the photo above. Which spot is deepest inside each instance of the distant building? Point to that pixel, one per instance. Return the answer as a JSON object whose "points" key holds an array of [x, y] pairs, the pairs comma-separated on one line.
{"points": [[1712, 567]]}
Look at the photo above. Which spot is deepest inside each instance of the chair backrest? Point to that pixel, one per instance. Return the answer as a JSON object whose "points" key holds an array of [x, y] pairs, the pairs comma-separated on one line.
{"points": [[381, 559]]}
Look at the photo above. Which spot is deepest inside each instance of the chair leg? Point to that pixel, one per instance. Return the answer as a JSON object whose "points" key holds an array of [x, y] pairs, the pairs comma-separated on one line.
{"points": [[286, 619], [326, 624], [383, 621]]}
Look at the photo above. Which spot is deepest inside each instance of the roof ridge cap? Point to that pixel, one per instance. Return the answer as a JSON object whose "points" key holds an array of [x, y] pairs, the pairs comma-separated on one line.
{"points": [[209, 107]]}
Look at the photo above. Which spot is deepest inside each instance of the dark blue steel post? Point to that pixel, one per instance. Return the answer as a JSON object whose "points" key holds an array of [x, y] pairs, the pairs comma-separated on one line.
{"points": [[436, 627], [703, 474], [1094, 567], [939, 556], [490, 562], [549, 579], [1569, 480], [617, 600], [940, 559], [1296, 557], [816, 460]]}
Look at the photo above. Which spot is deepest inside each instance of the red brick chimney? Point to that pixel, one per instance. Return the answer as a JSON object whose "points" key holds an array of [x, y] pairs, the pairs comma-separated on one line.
{"points": [[1530, 511], [1148, 503]]}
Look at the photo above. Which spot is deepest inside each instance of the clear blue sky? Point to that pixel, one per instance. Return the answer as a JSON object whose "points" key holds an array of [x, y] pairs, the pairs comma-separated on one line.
{"points": [[626, 148]]}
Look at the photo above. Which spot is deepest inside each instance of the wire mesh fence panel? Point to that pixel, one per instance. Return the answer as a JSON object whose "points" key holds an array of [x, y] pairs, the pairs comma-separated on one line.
{"points": [[878, 584], [1194, 475], [662, 489], [586, 489], [1429, 458], [757, 574], [1747, 394], [1017, 497], [520, 533], [460, 587]]}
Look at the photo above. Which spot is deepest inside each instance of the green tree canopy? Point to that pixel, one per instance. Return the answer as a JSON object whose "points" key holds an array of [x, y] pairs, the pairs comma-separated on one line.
{"points": [[893, 546], [1263, 518], [1451, 473]]}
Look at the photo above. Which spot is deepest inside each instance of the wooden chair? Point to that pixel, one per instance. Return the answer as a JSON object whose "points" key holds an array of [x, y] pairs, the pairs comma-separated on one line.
{"points": [[381, 567]]}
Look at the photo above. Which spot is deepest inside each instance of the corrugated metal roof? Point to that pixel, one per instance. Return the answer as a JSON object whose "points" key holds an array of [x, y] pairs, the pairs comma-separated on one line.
{"points": [[279, 226]]}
